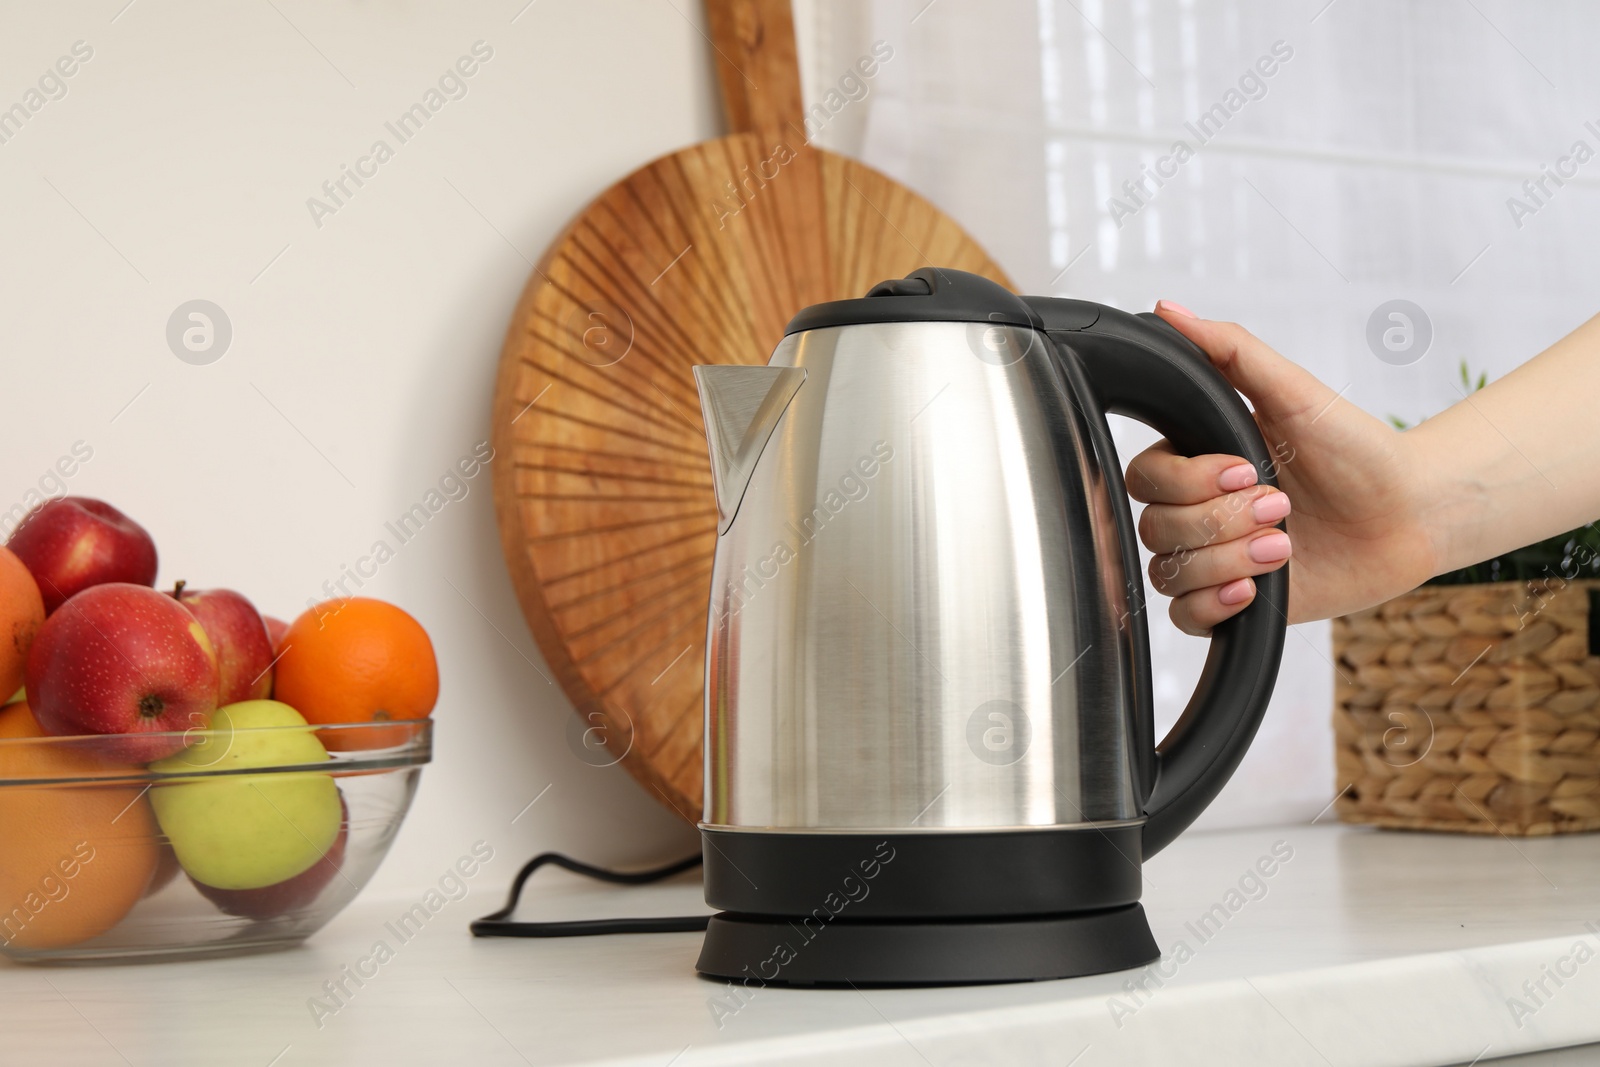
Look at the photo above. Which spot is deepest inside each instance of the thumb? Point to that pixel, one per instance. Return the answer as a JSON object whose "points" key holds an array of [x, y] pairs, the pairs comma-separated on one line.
{"points": [[1278, 388]]}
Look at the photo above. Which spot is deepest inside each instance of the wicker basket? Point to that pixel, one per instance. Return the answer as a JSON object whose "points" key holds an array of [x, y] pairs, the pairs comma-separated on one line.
{"points": [[1472, 708]]}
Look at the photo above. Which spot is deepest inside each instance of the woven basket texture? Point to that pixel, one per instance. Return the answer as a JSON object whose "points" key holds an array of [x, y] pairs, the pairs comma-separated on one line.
{"points": [[1473, 709]]}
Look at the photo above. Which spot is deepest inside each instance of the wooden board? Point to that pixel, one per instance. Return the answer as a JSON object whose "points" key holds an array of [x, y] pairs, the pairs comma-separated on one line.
{"points": [[601, 479]]}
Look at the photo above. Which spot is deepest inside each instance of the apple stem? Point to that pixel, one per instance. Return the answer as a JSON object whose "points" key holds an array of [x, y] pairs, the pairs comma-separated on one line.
{"points": [[177, 590], [151, 705]]}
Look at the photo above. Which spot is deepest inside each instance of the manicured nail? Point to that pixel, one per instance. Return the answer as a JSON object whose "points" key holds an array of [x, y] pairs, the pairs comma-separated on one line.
{"points": [[1270, 508], [1175, 308], [1271, 548], [1242, 476], [1237, 592]]}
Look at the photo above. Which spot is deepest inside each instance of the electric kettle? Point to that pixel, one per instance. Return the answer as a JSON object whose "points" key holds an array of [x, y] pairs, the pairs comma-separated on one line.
{"points": [[929, 749]]}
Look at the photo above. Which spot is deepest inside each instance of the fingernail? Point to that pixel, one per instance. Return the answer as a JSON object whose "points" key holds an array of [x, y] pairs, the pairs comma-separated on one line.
{"points": [[1270, 508], [1270, 548], [1175, 308], [1242, 476], [1237, 592]]}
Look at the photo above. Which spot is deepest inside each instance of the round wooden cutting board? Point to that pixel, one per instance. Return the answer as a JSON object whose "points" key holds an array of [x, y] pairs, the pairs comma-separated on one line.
{"points": [[601, 479]]}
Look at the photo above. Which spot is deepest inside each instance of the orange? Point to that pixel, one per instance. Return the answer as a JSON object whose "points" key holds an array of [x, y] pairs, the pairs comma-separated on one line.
{"points": [[357, 660], [74, 859], [21, 615]]}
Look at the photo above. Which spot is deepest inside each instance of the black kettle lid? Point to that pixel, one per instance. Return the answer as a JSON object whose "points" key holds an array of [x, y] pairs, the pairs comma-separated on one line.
{"points": [[930, 294]]}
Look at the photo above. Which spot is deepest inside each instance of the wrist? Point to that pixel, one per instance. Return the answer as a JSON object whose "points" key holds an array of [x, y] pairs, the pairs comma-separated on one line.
{"points": [[1449, 509]]}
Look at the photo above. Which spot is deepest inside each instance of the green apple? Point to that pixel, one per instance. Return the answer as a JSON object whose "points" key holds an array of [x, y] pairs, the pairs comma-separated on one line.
{"points": [[245, 831]]}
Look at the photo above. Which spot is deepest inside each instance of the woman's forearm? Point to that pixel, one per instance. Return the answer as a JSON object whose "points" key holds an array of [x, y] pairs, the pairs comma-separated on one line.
{"points": [[1517, 461]]}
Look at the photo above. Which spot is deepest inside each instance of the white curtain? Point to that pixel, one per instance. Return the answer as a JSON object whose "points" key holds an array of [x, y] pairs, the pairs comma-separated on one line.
{"points": [[1344, 155]]}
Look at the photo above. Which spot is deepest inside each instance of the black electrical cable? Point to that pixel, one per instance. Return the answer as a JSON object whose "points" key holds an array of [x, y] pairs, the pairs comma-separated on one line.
{"points": [[500, 924]]}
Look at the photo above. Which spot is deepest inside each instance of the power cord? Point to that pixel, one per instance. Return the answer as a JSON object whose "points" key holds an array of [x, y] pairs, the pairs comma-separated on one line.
{"points": [[500, 924]]}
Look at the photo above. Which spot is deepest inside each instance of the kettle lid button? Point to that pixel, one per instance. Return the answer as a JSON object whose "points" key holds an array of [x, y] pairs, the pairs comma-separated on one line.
{"points": [[912, 286]]}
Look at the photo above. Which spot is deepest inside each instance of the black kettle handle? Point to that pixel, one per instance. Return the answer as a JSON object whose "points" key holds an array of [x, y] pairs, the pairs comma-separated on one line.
{"points": [[1139, 366]]}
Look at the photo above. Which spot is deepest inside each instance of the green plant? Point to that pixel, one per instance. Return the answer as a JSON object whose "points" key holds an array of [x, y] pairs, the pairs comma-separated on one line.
{"points": [[1574, 554]]}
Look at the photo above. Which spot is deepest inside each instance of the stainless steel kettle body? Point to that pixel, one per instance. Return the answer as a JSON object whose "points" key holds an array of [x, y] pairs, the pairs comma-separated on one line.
{"points": [[926, 637], [918, 610]]}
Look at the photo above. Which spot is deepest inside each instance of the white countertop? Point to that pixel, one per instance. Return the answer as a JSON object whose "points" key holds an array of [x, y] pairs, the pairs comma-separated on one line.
{"points": [[1365, 947]]}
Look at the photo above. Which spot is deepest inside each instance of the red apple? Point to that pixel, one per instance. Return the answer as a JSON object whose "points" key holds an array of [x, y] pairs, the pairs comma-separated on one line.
{"points": [[73, 543], [123, 659], [291, 894], [239, 638], [276, 628]]}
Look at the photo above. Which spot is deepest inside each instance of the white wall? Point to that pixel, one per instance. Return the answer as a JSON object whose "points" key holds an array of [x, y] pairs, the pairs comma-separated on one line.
{"points": [[178, 166]]}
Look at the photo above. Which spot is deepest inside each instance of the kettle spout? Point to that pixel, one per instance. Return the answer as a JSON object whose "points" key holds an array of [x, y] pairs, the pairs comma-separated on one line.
{"points": [[741, 407]]}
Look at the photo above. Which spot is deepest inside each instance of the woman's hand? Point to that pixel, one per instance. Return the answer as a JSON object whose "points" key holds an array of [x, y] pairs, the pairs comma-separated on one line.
{"points": [[1349, 487]]}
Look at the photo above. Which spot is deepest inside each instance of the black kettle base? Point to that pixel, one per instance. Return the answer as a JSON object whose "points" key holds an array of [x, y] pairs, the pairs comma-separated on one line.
{"points": [[759, 950]]}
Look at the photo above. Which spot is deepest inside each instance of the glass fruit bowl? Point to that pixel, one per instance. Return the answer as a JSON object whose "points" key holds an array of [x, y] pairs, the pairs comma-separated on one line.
{"points": [[242, 840]]}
